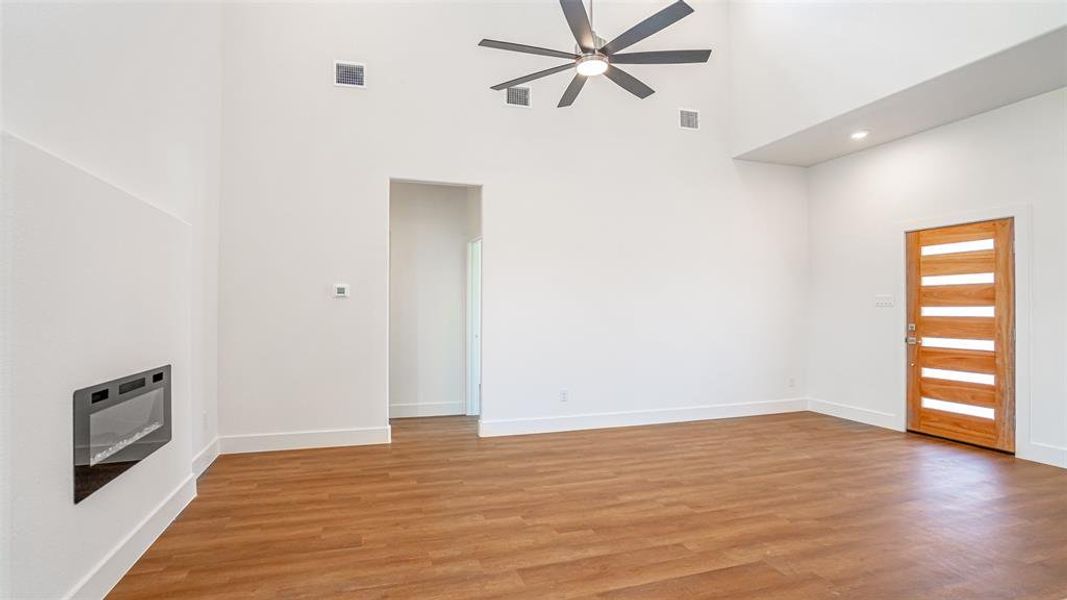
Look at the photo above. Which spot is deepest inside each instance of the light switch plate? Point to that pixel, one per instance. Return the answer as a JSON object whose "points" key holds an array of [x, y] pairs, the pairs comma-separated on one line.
{"points": [[884, 301], [341, 290]]}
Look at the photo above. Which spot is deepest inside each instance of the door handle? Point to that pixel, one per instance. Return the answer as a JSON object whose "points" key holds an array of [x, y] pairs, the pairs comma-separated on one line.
{"points": [[911, 340]]}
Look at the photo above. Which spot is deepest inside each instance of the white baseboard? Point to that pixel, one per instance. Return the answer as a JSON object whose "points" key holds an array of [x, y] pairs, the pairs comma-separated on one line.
{"points": [[110, 570], [206, 456], [296, 440], [854, 413], [637, 417], [433, 409], [1043, 453], [1032, 451]]}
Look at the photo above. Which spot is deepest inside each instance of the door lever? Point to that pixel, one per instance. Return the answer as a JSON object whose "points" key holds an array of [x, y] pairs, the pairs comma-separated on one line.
{"points": [[911, 340]]}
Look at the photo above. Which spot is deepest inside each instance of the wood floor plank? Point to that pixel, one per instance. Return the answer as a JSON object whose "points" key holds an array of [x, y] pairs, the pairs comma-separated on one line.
{"points": [[795, 507]]}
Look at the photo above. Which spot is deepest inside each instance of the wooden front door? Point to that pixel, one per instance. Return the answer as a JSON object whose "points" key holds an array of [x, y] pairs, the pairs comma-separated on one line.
{"points": [[961, 333]]}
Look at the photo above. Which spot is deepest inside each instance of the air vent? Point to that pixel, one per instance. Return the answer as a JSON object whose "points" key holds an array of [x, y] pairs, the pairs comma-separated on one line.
{"points": [[688, 119], [519, 96], [349, 74]]}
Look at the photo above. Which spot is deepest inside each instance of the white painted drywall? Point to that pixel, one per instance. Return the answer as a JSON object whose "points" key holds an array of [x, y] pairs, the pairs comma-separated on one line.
{"points": [[626, 260], [429, 227], [861, 204], [146, 121], [86, 309], [796, 64], [6, 398], [111, 162]]}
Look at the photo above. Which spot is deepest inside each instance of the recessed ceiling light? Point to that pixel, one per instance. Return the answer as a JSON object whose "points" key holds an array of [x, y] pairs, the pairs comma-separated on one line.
{"points": [[859, 135]]}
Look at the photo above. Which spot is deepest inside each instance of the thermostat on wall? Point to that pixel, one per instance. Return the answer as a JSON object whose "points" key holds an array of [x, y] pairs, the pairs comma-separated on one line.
{"points": [[341, 290]]}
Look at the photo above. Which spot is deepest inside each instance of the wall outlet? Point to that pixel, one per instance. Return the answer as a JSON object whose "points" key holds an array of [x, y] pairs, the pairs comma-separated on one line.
{"points": [[792, 382], [564, 395]]}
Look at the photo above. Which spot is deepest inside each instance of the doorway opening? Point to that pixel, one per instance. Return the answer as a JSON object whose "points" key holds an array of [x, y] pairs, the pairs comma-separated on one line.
{"points": [[961, 333], [434, 299]]}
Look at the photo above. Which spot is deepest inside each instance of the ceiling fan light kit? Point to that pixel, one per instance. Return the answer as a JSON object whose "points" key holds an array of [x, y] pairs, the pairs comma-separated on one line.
{"points": [[593, 57], [591, 65]]}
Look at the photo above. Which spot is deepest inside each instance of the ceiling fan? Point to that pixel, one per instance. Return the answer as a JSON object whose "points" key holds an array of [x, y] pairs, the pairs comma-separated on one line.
{"points": [[592, 56]]}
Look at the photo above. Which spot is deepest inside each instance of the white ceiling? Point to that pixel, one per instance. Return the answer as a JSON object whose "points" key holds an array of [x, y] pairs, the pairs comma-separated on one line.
{"points": [[1028, 69]]}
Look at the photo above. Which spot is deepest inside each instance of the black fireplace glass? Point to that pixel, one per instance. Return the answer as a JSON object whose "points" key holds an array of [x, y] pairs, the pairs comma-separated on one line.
{"points": [[118, 424]]}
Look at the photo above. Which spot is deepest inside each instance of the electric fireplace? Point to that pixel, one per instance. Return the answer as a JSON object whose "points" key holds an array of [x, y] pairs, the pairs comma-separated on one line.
{"points": [[117, 425]]}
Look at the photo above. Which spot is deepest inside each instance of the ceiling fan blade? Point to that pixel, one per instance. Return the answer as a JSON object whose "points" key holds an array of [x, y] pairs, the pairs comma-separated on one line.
{"points": [[665, 57], [532, 76], [572, 90], [657, 22], [526, 49], [578, 19], [628, 82]]}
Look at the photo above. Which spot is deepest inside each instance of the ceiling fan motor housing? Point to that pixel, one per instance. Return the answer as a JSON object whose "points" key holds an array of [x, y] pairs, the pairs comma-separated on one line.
{"points": [[598, 41]]}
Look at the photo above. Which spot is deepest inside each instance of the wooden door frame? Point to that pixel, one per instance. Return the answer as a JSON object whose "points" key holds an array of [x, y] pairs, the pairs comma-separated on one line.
{"points": [[1022, 214]]}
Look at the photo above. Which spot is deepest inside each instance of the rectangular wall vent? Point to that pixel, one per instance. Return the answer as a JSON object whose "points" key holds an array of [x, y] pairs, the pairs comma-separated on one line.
{"points": [[349, 74], [519, 96], [688, 119]]}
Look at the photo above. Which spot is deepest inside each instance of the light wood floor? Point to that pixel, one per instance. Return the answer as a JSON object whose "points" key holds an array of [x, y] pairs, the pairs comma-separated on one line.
{"points": [[783, 507]]}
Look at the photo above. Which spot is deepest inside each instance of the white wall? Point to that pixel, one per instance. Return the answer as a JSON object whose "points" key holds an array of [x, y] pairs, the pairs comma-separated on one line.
{"points": [[111, 171], [861, 204], [430, 227], [6, 398], [796, 64], [662, 285]]}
